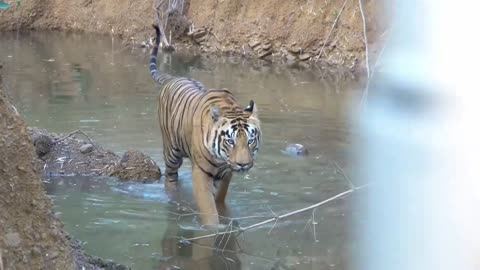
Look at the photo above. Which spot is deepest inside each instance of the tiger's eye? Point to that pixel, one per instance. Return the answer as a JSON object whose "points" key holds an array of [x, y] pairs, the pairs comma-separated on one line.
{"points": [[250, 141], [230, 141]]}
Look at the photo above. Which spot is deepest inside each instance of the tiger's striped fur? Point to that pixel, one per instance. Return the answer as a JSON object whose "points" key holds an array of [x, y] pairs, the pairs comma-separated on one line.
{"points": [[210, 128]]}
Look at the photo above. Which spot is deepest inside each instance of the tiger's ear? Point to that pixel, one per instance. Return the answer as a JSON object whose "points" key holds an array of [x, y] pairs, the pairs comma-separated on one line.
{"points": [[252, 109], [215, 113]]}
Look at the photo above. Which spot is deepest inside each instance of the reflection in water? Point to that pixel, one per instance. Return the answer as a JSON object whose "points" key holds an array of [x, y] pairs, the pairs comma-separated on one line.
{"points": [[63, 82], [208, 253]]}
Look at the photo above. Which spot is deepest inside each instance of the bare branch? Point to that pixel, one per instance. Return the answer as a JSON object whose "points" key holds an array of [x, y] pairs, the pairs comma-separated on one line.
{"points": [[330, 31], [273, 226], [306, 224], [228, 238], [74, 132], [270, 220], [275, 215], [365, 38], [161, 21], [314, 224], [375, 66], [352, 186]]}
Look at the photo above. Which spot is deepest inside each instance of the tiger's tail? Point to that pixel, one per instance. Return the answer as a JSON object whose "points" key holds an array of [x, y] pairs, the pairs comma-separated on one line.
{"points": [[160, 78]]}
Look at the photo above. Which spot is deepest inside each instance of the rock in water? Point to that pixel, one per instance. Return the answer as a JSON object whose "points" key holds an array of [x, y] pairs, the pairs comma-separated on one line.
{"points": [[295, 149]]}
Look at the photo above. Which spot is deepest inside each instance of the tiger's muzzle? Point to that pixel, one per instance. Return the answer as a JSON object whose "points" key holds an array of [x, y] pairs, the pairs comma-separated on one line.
{"points": [[241, 167]]}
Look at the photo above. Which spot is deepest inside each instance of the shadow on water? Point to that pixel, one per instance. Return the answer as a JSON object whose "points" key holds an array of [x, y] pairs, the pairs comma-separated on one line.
{"points": [[66, 81]]}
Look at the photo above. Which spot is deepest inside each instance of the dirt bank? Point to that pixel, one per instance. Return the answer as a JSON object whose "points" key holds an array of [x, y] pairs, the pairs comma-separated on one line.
{"points": [[289, 30], [31, 236]]}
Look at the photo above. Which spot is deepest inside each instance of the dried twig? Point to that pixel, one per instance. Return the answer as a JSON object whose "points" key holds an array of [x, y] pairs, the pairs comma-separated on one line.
{"points": [[365, 38], [74, 132], [160, 21], [375, 66], [228, 238], [306, 224], [213, 34], [352, 186], [270, 220], [275, 215], [314, 224], [330, 31]]}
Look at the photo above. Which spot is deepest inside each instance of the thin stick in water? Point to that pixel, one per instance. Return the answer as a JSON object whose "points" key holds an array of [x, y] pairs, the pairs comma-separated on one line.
{"points": [[270, 220], [314, 224], [352, 186]]}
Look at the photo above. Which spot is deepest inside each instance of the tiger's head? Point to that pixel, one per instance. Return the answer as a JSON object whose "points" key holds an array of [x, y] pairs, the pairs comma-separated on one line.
{"points": [[235, 136]]}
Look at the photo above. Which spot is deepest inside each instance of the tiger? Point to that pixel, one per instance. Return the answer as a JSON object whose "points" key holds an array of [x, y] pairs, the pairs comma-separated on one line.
{"points": [[210, 128]]}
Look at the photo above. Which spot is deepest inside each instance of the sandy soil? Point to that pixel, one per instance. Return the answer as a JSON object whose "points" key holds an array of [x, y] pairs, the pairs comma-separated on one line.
{"points": [[294, 31], [31, 236]]}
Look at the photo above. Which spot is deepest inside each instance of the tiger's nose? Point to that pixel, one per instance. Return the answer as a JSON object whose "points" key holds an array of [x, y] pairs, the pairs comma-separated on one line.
{"points": [[244, 165]]}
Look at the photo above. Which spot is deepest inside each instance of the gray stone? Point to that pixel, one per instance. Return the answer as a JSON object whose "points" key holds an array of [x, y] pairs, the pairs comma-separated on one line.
{"points": [[291, 57], [295, 149], [12, 240], [267, 46], [86, 148], [264, 54], [295, 49], [253, 43], [304, 57], [199, 33]]}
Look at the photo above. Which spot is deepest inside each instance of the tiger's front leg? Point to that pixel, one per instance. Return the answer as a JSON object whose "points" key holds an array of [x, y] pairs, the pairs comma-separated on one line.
{"points": [[173, 161], [222, 188], [203, 191]]}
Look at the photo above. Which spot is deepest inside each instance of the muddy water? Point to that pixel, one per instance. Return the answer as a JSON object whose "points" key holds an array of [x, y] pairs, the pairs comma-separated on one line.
{"points": [[63, 82]]}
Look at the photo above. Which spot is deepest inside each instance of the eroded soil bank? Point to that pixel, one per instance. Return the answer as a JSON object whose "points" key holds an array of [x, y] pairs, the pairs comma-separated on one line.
{"points": [[291, 31], [31, 236]]}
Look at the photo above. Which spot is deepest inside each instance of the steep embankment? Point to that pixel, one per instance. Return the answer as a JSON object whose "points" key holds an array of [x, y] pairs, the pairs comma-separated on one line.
{"points": [[31, 236], [297, 30]]}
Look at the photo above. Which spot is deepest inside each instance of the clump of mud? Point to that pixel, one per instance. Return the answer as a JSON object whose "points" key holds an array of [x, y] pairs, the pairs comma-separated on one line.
{"points": [[72, 154], [77, 154], [135, 165]]}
